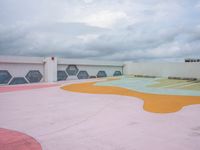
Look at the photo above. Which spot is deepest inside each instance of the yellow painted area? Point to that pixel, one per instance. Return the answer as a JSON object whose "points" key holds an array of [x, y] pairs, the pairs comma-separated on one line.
{"points": [[152, 102]]}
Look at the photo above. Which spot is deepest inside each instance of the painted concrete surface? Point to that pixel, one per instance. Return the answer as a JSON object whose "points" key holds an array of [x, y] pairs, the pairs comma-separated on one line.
{"points": [[61, 120], [156, 103], [145, 85], [13, 140], [22, 87]]}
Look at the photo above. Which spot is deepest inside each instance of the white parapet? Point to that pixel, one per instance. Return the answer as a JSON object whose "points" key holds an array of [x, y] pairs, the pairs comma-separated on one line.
{"points": [[163, 69], [20, 69]]}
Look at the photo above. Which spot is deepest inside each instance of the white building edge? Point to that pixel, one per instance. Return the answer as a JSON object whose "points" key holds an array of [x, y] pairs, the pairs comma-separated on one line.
{"points": [[17, 69]]}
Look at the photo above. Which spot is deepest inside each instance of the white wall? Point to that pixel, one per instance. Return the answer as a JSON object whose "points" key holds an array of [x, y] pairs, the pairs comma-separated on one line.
{"points": [[20, 70], [191, 70], [92, 69], [89, 62], [91, 66], [20, 66]]}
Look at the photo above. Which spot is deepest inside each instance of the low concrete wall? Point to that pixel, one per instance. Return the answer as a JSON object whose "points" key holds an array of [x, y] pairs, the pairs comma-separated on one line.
{"points": [[89, 68], [186, 70], [16, 70]]}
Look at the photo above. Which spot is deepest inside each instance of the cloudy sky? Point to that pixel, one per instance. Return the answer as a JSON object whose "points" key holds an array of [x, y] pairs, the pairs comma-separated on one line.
{"points": [[151, 30]]}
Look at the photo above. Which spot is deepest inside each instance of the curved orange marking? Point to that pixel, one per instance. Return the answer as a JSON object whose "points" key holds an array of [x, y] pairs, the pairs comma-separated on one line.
{"points": [[13, 140], [152, 102]]}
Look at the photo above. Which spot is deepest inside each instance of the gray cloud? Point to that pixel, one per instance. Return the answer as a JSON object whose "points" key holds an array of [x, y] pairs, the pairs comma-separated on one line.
{"points": [[113, 30]]}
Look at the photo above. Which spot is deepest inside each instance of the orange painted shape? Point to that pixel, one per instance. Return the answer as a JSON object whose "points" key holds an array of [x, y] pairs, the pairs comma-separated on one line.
{"points": [[152, 102]]}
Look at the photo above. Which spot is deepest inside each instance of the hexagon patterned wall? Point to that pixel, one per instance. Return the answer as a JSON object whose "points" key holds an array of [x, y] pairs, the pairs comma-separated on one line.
{"points": [[61, 75], [101, 74], [91, 77], [4, 77], [83, 75], [18, 80], [117, 73], [72, 70], [34, 76]]}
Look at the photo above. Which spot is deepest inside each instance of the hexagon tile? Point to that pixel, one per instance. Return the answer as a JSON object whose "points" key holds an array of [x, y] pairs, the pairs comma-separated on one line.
{"points": [[117, 73], [5, 77], [18, 80], [72, 70], [34, 76], [61, 75], [101, 74], [83, 75]]}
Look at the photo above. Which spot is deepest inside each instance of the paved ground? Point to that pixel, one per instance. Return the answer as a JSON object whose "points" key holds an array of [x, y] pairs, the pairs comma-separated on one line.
{"points": [[14, 140], [63, 120]]}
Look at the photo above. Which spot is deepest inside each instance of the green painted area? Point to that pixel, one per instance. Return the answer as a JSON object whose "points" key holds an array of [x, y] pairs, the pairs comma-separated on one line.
{"points": [[156, 85], [177, 84], [167, 82], [194, 87]]}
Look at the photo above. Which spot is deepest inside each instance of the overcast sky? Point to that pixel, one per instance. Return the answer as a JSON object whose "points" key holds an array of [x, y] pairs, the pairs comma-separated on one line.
{"points": [[151, 30]]}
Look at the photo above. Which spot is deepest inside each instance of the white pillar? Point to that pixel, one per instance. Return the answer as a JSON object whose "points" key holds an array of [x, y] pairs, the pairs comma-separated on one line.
{"points": [[50, 69], [127, 68]]}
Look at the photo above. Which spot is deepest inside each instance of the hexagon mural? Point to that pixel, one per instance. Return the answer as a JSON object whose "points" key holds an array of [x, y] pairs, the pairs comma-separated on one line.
{"points": [[91, 77], [4, 76], [72, 70], [34, 76], [117, 73], [61, 75], [83, 75], [18, 80], [101, 74]]}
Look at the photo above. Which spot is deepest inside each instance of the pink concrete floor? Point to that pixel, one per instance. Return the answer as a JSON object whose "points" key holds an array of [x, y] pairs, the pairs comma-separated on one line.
{"points": [[11, 88], [62, 120]]}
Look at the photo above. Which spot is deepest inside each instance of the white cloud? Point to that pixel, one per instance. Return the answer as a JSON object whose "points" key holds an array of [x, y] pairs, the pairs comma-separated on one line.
{"points": [[88, 37], [104, 18], [114, 29], [88, 1], [198, 5]]}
